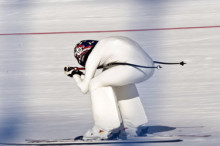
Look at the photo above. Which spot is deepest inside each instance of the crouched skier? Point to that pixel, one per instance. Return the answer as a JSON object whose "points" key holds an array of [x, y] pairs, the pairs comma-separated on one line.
{"points": [[116, 106]]}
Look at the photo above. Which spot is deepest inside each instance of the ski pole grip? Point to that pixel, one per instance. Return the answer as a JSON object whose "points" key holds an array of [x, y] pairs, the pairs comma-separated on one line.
{"points": [[70, 68]]}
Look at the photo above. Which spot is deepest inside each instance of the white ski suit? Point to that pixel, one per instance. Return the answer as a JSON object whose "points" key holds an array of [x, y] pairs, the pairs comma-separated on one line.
{"points": [[114, 97]]}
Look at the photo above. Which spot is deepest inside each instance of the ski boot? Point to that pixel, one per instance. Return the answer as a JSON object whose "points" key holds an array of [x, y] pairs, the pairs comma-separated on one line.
{"points": [[130, 132], [97, 133]]}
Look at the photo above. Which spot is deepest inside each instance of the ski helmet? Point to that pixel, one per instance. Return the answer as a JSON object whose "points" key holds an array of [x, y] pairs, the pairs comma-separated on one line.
{"points": [[83, 49]]}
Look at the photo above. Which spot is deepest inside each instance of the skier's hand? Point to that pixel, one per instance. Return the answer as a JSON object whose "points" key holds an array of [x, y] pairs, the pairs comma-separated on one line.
{"points": [[70, 71]]}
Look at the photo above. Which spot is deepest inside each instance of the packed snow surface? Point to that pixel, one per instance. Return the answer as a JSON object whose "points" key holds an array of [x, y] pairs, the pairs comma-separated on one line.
{"points": [[38, 101]]}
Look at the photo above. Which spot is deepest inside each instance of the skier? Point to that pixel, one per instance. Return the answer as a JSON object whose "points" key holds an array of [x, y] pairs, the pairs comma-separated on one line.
{"points": [[116, 106]]}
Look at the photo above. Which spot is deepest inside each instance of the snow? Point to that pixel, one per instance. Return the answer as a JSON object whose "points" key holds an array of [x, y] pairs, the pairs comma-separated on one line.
{"points": [[38, 101]]}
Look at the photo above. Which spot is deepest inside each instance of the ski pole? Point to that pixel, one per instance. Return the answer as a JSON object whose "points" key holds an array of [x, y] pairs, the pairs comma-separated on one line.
{"points": [[170, 63], [135, 65]]}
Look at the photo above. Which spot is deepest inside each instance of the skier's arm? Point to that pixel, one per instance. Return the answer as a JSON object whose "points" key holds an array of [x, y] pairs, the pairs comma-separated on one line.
{"points": [[91, 66]]}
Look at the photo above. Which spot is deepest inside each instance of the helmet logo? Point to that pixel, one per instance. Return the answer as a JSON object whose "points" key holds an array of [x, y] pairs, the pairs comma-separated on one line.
{"points": [[79, 50]]}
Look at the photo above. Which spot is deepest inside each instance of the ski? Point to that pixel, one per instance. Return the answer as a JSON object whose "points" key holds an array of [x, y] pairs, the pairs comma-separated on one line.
{"points": [[92, 142]]}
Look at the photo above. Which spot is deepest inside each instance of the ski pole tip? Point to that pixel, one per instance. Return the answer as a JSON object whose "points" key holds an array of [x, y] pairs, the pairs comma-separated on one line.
{"points": [[158, 67], [182, 63]]}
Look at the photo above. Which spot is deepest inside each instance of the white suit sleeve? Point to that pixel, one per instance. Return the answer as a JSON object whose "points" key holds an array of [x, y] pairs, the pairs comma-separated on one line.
{"points": [[91, 66]]}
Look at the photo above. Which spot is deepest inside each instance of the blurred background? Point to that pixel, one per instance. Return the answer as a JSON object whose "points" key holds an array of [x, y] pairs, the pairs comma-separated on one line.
{"points": [[38, 101]]}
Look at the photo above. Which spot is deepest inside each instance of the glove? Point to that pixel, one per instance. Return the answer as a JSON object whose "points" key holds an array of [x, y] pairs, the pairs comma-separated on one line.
{"points": [[70, 71]]}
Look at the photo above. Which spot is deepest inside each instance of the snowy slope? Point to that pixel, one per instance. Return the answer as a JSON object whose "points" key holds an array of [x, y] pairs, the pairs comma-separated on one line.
{"points": [[38, 101]]}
